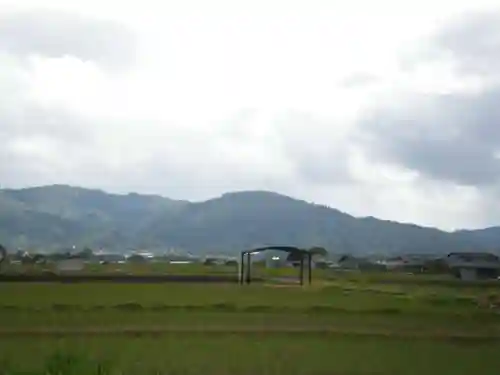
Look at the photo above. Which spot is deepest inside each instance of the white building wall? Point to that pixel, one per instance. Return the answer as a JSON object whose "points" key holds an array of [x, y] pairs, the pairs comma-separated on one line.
{"points": [[70, 265]]}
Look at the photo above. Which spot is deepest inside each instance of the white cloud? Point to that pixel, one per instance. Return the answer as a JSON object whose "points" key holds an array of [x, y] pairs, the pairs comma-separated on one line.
{"points": [[227, 95]]}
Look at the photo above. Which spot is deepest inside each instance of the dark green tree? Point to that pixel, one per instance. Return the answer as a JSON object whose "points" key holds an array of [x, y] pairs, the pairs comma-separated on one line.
{"points": [[86, 253], [136, 258], [318, 251], [294, 256]]}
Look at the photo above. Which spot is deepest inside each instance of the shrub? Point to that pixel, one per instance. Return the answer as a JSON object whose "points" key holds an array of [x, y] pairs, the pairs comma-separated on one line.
{"points": [[129, 306], [259, 308], [224, 306], [65, 307]]}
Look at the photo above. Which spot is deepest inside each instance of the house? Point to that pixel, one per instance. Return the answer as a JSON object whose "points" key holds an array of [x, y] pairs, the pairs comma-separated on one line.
{"points": [[138, 258], [323, 263], [70, 265], [110, 258], [277, 261], [351, 262], [414, 263], [216, 260], [473, 266]]}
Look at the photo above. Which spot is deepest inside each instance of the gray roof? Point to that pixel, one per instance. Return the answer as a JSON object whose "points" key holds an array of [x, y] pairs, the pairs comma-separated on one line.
{"points": [[473, 260]]}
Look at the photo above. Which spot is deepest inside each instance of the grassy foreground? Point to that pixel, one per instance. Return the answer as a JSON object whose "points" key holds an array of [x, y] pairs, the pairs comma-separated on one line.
{"points": [[345, 326], [257, 354]]}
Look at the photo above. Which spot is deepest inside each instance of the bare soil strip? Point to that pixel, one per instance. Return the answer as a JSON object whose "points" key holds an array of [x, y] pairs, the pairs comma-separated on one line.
{"points": [[245, 330], [84, 278]]}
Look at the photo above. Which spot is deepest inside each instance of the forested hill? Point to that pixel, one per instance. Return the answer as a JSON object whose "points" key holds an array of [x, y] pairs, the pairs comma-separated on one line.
{"points": [[55, 217]]}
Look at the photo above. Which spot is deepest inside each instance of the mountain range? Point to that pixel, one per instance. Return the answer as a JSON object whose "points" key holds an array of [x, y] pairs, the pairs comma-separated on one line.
{"points": [[59, 217]]}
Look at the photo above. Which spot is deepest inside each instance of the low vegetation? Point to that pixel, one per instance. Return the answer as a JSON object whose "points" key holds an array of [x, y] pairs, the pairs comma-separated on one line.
{"points": [[396, 327], [230, 354]]}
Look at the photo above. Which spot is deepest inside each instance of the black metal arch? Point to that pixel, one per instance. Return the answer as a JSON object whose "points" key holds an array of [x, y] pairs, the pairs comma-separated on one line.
{"points": [[247, 271]]}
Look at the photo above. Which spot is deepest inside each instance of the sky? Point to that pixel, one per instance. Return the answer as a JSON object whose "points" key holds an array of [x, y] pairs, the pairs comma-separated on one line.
{"points": [[387, 109]]}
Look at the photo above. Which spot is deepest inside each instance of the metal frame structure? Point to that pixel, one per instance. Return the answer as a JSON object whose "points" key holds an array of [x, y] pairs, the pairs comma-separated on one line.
{"points": [[245, 268], [3, 254]]}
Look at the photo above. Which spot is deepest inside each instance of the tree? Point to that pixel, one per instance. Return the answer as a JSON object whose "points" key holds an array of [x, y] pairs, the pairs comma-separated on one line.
{"points": [[209, 262], [294, 256], [54, 257], [3, 254], [86, 253], [136, 258], [436, 266], [27, 259], [318, 251], [39, 259]]}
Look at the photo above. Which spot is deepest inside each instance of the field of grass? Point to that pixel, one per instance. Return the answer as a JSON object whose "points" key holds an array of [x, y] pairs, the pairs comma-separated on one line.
{"points": [[232, 354], [158, 268], [348, 324], [163, 268]]}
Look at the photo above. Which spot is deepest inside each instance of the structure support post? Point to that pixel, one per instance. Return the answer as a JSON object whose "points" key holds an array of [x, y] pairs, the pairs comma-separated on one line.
{"points": [[249, 271], [309, 266], [241, 270], [302, 269]]}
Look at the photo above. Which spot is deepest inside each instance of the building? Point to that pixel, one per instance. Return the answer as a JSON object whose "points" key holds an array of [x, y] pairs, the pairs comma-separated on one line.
{"points": [[70, 265], [474, 266], [350, 262], [277, 261], [110, 258], [414, 263]]}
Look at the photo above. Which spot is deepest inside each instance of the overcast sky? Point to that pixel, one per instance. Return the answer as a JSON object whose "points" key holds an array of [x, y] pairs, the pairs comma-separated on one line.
{"points": [[378, 108]]}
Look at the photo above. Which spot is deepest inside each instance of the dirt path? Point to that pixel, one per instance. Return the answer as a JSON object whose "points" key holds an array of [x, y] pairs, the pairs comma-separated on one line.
{"points": [[130, 279], [244, 330]]}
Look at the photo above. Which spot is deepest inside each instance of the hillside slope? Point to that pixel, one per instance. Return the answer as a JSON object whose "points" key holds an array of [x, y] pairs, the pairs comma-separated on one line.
{"points": [[61, 216]]}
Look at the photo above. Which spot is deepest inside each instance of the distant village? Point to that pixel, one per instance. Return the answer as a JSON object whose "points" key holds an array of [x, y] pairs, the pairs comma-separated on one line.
{"points": [[465, 266]]}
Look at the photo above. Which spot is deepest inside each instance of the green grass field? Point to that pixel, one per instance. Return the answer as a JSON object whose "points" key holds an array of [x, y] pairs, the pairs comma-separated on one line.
{"points": [[349, 324], [244, 354]]}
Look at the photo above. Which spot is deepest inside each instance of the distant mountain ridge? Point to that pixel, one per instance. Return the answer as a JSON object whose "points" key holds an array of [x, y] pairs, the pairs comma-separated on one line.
{"points": [[60, 216]]}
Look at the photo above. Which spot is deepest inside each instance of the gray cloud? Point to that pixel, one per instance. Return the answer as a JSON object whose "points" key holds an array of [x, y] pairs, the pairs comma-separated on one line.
{"points": [[64, 147], [473, 41], [56, 34], [454, 137], [359, 80], [445, 137], [21, 116], [38, 146], [314, 148], [30, 120]]}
